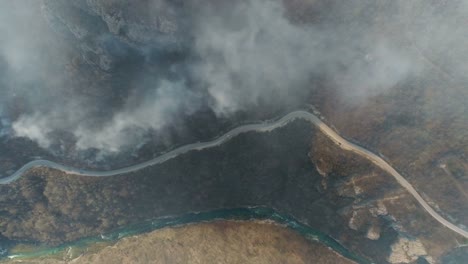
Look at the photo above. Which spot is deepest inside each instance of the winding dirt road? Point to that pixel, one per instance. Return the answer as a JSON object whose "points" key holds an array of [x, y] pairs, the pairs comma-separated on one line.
{"points": [[260, 127]]}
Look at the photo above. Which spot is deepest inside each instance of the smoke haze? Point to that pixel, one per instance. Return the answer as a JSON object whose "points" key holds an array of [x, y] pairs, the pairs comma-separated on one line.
{"points": [[108, 84]]}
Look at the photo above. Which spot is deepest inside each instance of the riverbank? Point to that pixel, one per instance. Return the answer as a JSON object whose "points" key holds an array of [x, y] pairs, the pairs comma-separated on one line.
{"points": [[262, 127], [295, 169], [299, 238]]}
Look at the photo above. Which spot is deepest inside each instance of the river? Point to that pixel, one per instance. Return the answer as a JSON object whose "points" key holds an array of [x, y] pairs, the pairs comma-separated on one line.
{"points": [[251, 213]]}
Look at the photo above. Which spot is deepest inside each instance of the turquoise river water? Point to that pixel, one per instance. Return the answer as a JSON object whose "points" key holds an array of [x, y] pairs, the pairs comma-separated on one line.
{"points": [[251, 213]]}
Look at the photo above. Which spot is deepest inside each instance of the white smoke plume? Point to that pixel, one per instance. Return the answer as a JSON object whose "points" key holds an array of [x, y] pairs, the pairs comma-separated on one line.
{"points": [[241, 55]]}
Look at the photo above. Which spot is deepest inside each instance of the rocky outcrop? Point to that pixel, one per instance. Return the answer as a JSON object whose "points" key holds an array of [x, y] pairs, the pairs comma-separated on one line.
{"points": [[380, 205], [406, 250]]}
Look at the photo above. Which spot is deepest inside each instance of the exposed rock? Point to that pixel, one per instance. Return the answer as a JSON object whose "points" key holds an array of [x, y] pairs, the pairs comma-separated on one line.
{"points": [[352, 221], [406, 250], [380, 210], [373, 233]]}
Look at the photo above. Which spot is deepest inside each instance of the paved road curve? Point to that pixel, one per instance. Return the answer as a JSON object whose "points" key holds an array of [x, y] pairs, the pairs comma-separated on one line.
{"points": [[260, 127]]}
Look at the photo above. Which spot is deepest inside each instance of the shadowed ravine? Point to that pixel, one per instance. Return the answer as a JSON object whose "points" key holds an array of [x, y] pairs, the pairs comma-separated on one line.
{"points": [[260, 127]]}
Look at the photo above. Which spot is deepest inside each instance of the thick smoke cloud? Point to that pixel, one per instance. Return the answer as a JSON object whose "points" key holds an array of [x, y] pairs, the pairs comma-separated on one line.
{"points": [[230, 56], [28, 68], [252, 52], [130, 124]]}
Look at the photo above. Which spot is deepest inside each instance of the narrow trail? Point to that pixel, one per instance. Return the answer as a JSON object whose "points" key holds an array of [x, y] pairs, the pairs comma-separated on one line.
{"points": [[259, 127]]}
